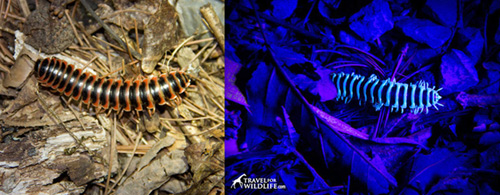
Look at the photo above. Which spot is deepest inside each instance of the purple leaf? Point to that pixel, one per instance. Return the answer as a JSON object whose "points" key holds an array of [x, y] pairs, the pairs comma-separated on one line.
{"points": [[324, 87], [231, 91], [293, 135], [338, 125]]}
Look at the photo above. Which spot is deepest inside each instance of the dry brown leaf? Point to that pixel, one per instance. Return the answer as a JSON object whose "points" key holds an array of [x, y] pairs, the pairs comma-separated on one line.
{"points": [[160, 35]]}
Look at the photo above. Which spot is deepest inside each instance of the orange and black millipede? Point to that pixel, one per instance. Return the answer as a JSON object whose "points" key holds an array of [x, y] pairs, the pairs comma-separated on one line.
{"points": [[111, 93]]}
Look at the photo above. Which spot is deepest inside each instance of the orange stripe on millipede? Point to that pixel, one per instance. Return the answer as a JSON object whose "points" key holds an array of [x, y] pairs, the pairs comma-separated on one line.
{"points": [[127, 95], [107, 91], [117, 94], [57, 69], [98, 88], [63, 73], [137, 84], [149, 96], [51, 66], [90, 88], [75, 82], [158, 88], [77, 95]]}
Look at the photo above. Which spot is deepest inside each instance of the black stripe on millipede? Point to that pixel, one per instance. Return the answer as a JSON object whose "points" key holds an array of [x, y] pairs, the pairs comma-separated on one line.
{"points": [[60, 74], [112, 94], [44, 66], [121, 96], [153, 90], [104, 92], [72, 80], [173, 82], [165, 87], [53, 68], [143, 95], [133, 96], [67, 73], [88, 87]]}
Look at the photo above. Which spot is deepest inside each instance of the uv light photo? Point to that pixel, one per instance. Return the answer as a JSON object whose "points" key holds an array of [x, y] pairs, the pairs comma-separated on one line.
{"points": [[362, 97]]}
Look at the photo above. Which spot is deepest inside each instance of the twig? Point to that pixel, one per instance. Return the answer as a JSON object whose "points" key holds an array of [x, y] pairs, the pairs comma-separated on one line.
{"points": [[128, 161], [199, 53], [214, 23], [177, 49], [195, 42], [112, 146], [3, 28], [124, 11], [208, 54], [7, 9], [24, 8], [14, 16], [73, 27], [74, 113]]}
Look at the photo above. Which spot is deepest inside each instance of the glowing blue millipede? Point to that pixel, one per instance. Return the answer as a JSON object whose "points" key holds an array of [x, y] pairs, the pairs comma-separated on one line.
{"points": [[386, 92]]}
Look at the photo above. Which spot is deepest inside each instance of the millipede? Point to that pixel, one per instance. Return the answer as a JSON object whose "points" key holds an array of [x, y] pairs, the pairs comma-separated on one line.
{"points": [[415, 96], [109, 93]]}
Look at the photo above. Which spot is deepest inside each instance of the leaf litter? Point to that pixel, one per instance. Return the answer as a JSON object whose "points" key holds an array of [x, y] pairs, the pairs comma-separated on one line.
{"points": [[54, 145]]}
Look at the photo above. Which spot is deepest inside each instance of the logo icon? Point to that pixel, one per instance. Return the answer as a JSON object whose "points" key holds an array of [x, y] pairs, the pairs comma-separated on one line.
{"points": [[238, 181]]}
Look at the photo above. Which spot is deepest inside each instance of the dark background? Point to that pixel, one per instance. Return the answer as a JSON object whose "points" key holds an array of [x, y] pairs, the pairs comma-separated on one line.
{"points": [[285, 122]]}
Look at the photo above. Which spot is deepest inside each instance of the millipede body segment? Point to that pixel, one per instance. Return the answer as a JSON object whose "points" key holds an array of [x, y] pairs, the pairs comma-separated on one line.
{"points": [[111, 93], [416, 97]]}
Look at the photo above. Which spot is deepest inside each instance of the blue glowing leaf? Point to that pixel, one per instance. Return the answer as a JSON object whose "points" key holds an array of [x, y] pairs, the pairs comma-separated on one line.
{"points": [[425, 31], [372, 21], [444, 11], [458, 72], [282, 9]]}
